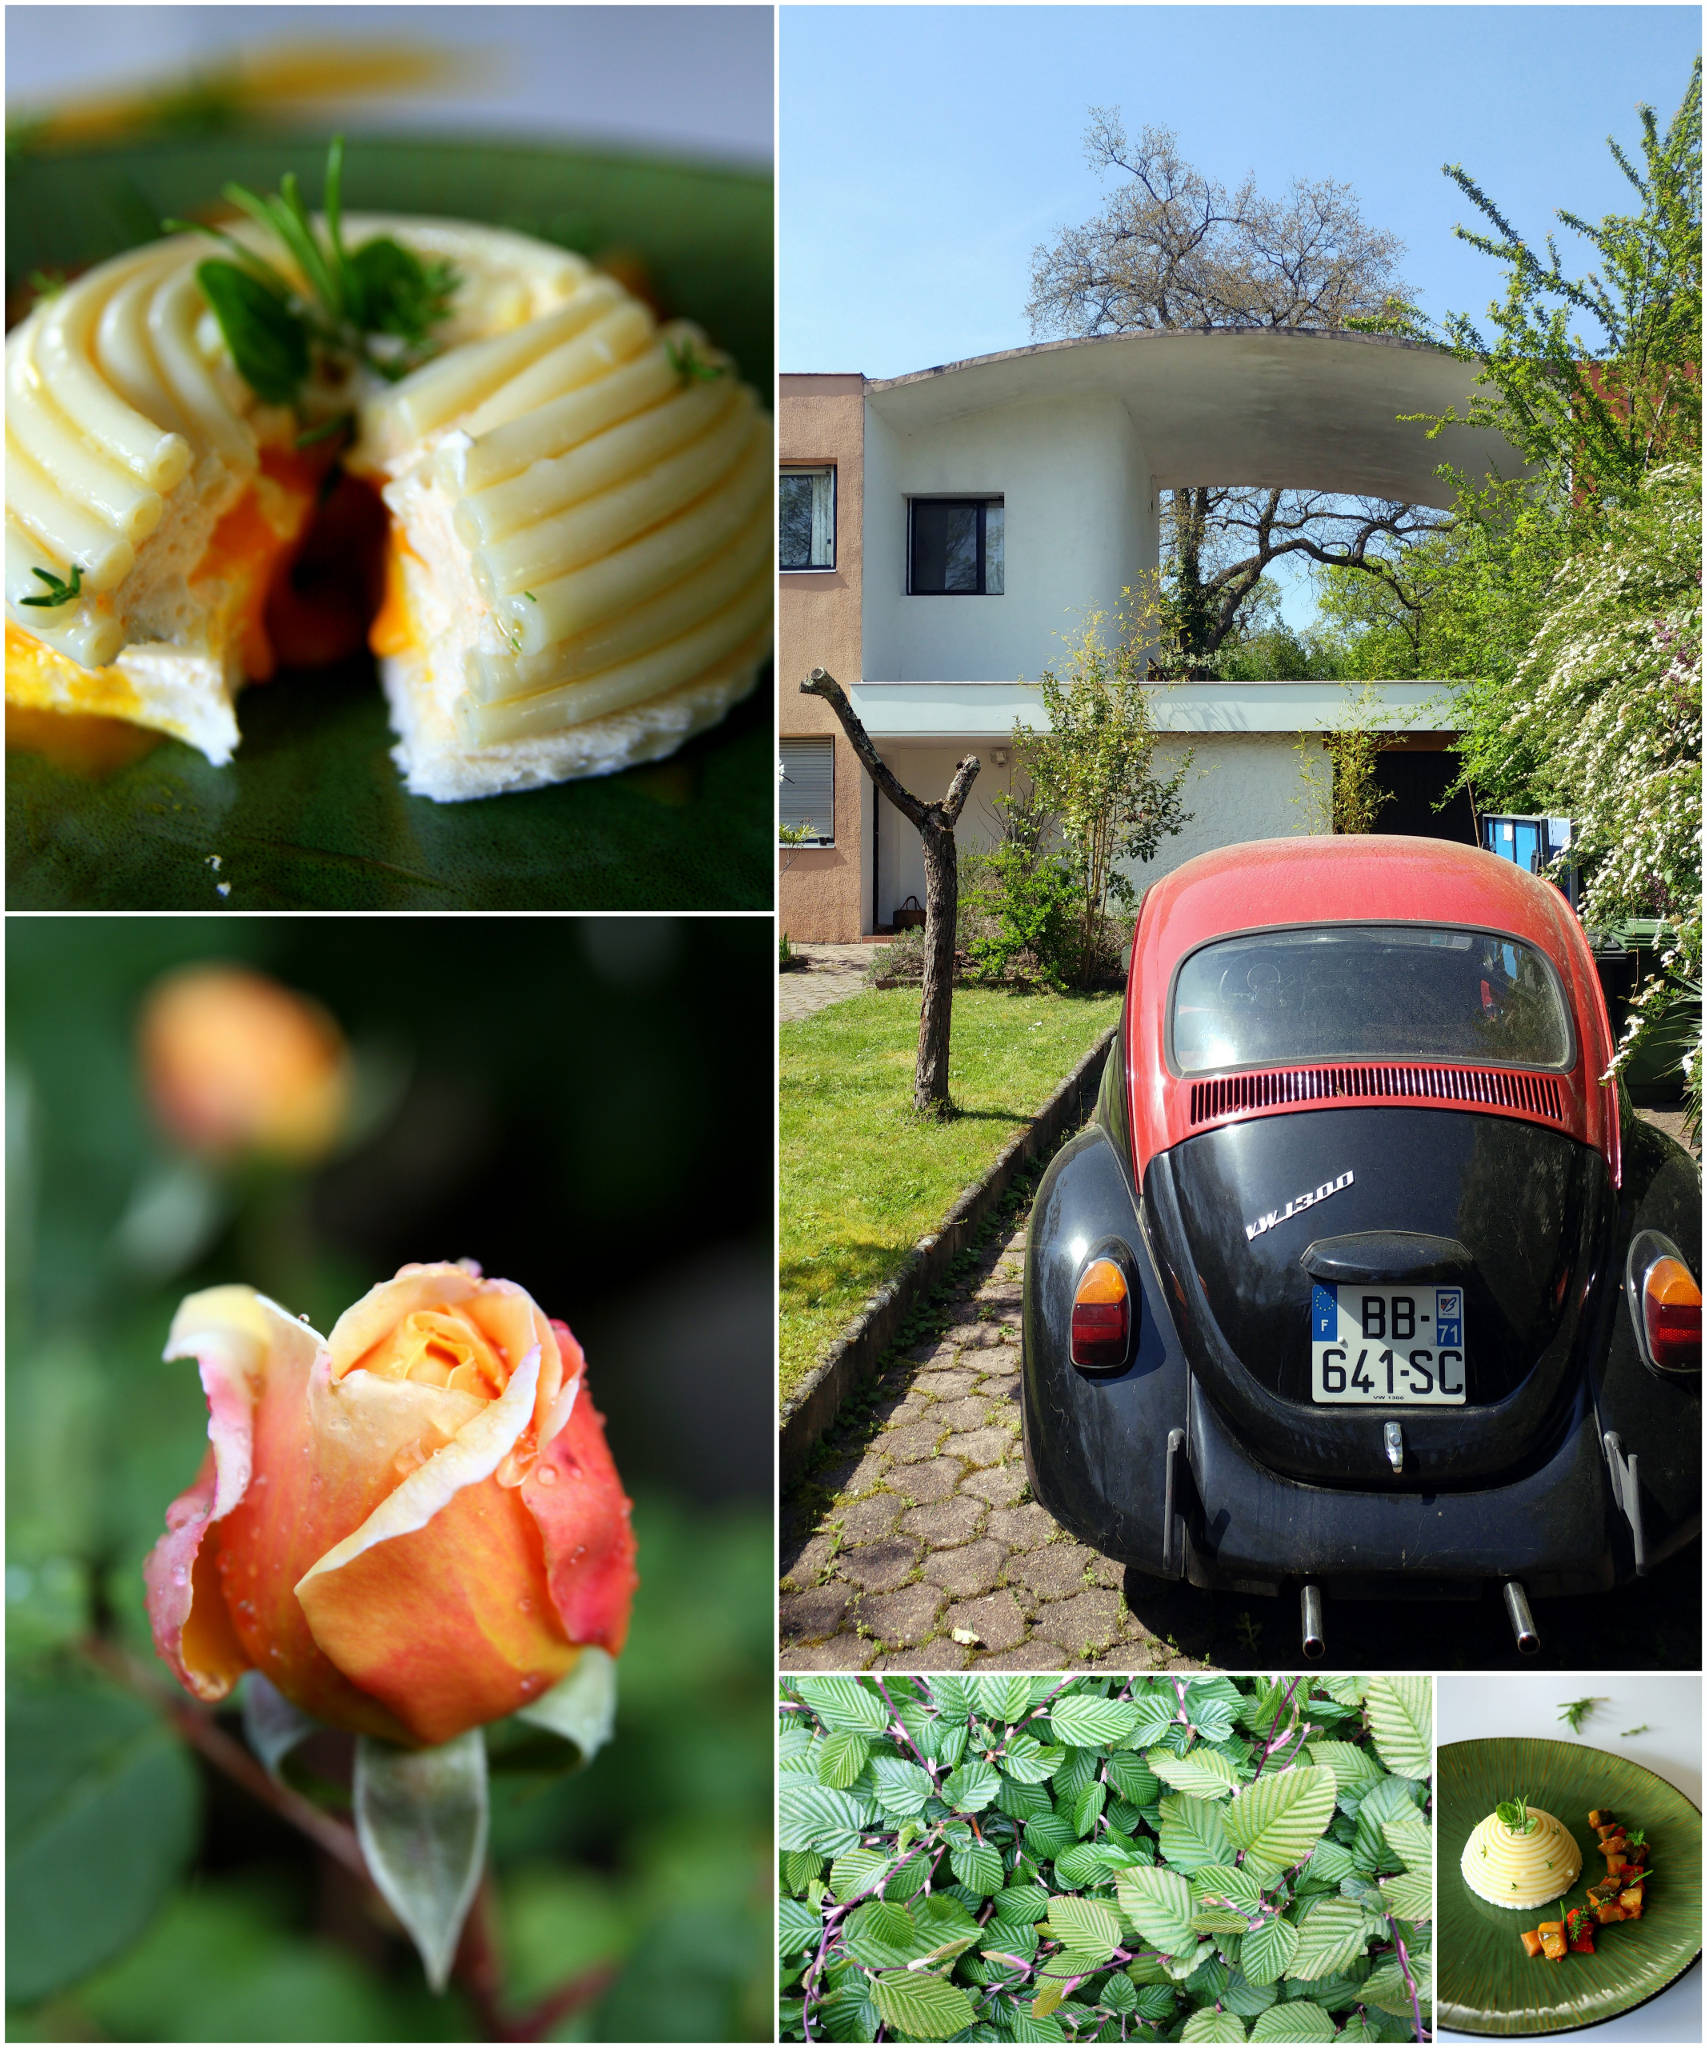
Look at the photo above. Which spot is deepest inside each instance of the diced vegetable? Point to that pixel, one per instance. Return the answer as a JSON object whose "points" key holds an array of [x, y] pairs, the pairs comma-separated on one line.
{"points": [[1601, 1817], [1614, 1864], [1531, 1944], [1552, 1933], [1631, 1901], [1608, 1910]]}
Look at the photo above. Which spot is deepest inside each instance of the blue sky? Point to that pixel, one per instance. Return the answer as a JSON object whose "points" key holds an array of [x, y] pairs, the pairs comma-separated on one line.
{"points": [[926, 151]]}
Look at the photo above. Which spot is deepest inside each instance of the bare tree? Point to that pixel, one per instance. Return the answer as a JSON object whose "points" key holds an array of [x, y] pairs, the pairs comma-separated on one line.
{"points": [[1173, 249], [935, 826]]}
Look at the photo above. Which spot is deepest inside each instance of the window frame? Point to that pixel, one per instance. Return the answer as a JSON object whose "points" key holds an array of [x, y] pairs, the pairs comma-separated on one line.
{"points": [[811, 469], [806, 739], [982, 501]]}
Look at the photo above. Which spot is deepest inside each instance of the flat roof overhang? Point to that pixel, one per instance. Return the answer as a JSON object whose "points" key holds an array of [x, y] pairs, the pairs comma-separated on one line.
{"points": [[1280, 408], [949, 714]]}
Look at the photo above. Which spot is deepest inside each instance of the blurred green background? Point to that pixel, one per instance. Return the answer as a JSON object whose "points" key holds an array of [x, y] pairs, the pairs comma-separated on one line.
{"points": [[585, 1106]]}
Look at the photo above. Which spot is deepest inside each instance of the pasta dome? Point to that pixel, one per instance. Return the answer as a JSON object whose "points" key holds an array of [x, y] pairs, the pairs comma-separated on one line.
{"points": [[578, 500], [1522, 1868]]}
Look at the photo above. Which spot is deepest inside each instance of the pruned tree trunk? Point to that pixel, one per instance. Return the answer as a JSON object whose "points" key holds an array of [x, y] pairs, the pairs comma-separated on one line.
{"points": [[934, 824]]}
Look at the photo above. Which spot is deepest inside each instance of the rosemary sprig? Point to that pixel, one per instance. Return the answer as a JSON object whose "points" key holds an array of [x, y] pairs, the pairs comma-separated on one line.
{"points": [[1578, 1711], [375, 306], [57, 593], [1642, 1730]]}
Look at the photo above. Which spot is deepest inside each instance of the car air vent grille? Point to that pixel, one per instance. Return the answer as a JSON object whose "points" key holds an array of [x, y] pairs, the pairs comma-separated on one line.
{"points": [[1240, 1094]]}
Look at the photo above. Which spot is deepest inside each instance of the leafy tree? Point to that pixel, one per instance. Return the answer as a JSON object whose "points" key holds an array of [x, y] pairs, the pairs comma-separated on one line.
{"points": [[1028, 894], [1093, 769], [1173, 249]]}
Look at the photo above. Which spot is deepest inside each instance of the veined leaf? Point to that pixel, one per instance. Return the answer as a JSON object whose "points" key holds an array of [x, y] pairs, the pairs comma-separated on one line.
{"points": [[1329, 1936], [1132, 1778], [1119, 1994], [1192, 1833], [1410, 1839], [1021, 1905], [923, 2007], [1086, 1926], [902, 1788], [1245, 1998], [1329, 1862], [1211, 2023], [1265, 1952], [1083, 1864], [1388, 1799], [1411, 1897], [1278, 1820], [841, 1758], [1294, 2019], [1058, 1977], [1087, 1810], [1205, 1773], [850, 2012], [1092, 1723], [1047, 1836], [971, 1788], [1354, 1769], [884, 1936], [1158, 1903], [421, 1820], [797, 1927], [978, 1867], [1026, 1761], [842, 1703], [799, 1868], [857, 1872], [812, 1816], [1157, 1710], [1401, 1724], [1030, 2026], [1385, 1987], [1226, 1881]]}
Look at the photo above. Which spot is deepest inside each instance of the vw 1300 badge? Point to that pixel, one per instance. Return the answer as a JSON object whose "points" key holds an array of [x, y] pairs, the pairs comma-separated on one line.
{"points": [[1297, 1204]]}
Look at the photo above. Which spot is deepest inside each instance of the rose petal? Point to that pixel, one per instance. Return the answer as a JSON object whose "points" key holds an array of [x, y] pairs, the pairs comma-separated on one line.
{"points": [[372, 1319], [192, 1629], [230, 1333], [583, 1518]]}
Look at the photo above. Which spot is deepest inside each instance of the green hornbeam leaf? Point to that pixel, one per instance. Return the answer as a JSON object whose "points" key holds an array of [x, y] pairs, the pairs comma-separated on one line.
{"points": [[1133, 1779], [1087, 1926], [1155, 2001], [1119, 1994], [1158, 1710], [796, 1746], [1210, 2023], [1354, 1769], [1158, 1903], [857, 1872], [883, 1936], [841, 1759], [1087, 1810], [1411, 1897], [850, 2012], [1294, 2019], [945, 1920], [842, 1703], [1087, 1723], [1022, 1802], [1329, 1862], [1047, 1836], [1385, 1987], [1021, 1905], [902, 1788], [971, 1788], [799, 1868], [1078, 1768], [1401, 1724], [1409, 1838], [1083, 1864], [1265, 1953], [580, 1708], [1058, 1977], [421, 1820], [1205, 1773], [1247, 1999], [1278, 1820], [1329, 1936], [812, 1816], [978, 1867], [1025, 2025], [1192, 1833], [1388, 1799], [1027, 1761], [923, 2007], [1226, 1881], [1347, 1689], [797, 1927]]}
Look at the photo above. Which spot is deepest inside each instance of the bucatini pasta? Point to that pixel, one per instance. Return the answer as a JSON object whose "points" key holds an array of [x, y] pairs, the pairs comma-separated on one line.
{"points": [[578, 562]]}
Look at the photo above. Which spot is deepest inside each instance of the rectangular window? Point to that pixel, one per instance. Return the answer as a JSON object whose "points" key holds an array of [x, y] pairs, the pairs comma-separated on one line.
{"points": [[955, 547], [806, 518], [808, 796]]}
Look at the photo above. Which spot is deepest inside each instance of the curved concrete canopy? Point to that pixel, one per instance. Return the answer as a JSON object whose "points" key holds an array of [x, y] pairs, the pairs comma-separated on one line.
{"points": [[1289, 408]]}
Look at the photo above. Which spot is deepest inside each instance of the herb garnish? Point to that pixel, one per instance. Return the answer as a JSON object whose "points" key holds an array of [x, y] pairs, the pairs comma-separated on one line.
{"points": [[1642, 1730], [57, 593], [1577, 1711], [690, 365], [374, 306], [1514, 1814]]}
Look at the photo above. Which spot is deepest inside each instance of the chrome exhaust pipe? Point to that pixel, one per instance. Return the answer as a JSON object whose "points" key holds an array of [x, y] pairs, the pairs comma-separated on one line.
{"points": [[1522, 1621], [1310, 1611]]}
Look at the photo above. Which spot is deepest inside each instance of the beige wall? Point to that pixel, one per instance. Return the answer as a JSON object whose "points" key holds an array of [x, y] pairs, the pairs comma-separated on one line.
{"points": [[822, 889]]}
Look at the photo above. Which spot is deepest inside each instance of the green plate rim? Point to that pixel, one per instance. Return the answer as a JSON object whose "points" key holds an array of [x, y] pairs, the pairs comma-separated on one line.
{"points": [[1442, 1948]]}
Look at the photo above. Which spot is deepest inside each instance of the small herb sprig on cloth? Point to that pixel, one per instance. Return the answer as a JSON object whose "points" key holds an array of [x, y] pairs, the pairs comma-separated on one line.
{"points": [[375, 306], [1578, 1711], [57, 592]]}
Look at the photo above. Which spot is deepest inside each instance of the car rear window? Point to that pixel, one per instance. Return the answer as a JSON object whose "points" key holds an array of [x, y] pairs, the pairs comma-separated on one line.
{"points": [[1362, 992]]}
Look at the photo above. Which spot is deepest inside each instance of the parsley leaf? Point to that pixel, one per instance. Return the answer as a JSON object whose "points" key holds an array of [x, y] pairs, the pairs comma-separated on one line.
{"points": [[268, 342], [1578, 1711], [57, 593]]}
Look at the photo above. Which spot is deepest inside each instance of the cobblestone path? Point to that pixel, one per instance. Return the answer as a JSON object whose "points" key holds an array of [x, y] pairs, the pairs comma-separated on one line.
{"points": [[830, 974], [917, 1546]]}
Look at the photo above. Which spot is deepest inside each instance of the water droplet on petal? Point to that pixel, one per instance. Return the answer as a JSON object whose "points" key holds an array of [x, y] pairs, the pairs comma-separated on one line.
{"points": [[579, 1552], [546, 1475], [531, 1681], [246, 1608], [180, 1575], [524, 1606], [260, 1479], [180, 1512]]}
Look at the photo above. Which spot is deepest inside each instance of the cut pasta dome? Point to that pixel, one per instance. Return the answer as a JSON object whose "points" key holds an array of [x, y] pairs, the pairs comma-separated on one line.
{"points": [[577, 500]]}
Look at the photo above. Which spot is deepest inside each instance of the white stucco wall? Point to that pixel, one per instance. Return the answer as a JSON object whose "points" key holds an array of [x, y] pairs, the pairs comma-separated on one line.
{"points": [[1080, 524]]}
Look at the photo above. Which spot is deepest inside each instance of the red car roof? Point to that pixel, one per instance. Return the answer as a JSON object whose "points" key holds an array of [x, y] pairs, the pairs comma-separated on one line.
{"points": [[1263, 883]]}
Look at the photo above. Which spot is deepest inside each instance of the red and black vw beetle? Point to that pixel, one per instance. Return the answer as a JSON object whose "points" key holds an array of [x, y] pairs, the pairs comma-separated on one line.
{"points": [[1354, 1280]]}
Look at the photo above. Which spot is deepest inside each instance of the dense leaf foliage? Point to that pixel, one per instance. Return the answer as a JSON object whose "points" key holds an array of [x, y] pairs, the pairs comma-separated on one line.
{"points": [[1016, 1858]]}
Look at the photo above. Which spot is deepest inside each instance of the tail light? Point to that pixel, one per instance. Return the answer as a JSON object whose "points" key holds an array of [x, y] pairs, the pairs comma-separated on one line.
{"points": [[1671, 1316], [1102, 1316]]}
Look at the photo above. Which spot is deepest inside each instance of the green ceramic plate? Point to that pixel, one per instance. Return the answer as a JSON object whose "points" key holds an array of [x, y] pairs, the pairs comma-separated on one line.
{"points": [[311, 815], [1485, 1984]]}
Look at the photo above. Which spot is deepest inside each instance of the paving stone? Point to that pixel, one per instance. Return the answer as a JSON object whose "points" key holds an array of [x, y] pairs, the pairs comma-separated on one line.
{"points": [[934, 1479], [945, 1386], [1004, 1388], [945, 1522], [1032, 1655], [942, 1653], [895, 1620], [967, 1571], [1000, 1290], [1022, 1528], [1090, 1622], [813, 1613], [981, 1336], [998, 1358], [915, 1440], [1000, 1485], [1107, 1571], [971, 1413], [867, 1520], [934, 1354], [1052, 1573], [879, 1566], [996, 1619], [852, 1475], [808, 1562], [980, 1446], [841, 1653], [916, 1408]]}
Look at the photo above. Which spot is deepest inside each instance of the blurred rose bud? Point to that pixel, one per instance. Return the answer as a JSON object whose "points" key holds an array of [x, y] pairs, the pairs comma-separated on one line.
{"points": [[234, 1063], [411, 1527]]}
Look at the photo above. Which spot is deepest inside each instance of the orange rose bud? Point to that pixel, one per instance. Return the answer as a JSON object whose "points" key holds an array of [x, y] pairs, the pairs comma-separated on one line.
{"points": [[411, 1527], [235, 1063]]}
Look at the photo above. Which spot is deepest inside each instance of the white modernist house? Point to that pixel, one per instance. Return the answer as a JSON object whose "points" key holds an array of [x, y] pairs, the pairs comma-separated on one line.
{"points": [[968, 516]]}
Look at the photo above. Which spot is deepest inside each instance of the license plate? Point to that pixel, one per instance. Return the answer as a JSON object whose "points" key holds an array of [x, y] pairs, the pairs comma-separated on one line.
{"points": [[1387, 1347]]}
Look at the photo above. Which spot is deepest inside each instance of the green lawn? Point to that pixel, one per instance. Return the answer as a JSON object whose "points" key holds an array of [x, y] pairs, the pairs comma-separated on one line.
{"points": [[861, 1177]]}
